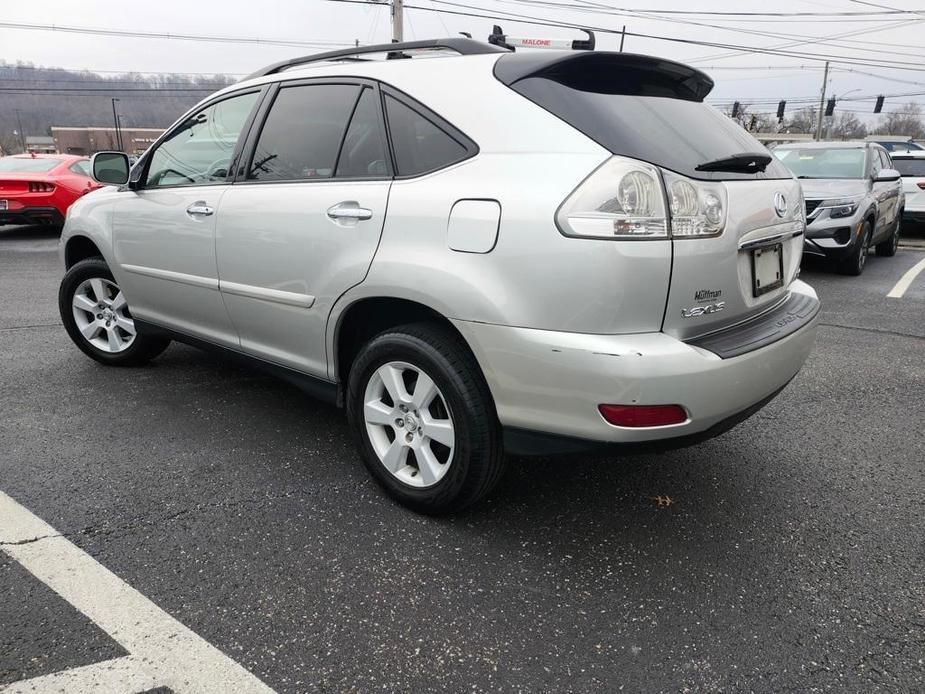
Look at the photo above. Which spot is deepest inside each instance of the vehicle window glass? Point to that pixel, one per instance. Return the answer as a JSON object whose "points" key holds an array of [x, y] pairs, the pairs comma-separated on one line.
{"points": [[420, 145], [910, 167], [838, 162], [81, 168], [885, 160], [303, 133], [875, 164], [199, 151], [27, 165], [363, 153]]}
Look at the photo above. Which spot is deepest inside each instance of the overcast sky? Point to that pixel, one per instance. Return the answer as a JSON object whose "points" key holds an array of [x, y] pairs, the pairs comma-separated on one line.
{"points": [[897, 38]]}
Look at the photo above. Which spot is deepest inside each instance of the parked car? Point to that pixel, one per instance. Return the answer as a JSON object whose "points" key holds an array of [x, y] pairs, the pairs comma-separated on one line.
{"points": [[898, 145], [39, 188], [911, 165], [854, 200], [554, 267]]}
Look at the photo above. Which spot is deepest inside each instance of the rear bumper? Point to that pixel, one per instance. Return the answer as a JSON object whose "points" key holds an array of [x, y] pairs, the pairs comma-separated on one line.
{"points": [[914, 215], [551, 383], [49, 216]]}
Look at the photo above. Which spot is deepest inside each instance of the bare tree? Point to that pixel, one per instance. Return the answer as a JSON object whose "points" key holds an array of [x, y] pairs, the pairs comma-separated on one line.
{"points": [[802, 121], [845, 126], [906, 120]]}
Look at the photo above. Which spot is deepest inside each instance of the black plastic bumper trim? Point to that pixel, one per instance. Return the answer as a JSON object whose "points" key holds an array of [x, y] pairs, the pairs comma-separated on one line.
{"points": [[766, 329]]}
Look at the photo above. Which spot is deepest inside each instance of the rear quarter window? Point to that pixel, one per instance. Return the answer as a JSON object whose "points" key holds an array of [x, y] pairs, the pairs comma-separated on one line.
{"points": [[422, 142]]}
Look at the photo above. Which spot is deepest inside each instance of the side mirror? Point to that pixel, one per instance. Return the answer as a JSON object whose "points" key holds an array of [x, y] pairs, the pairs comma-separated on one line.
{"points": [[887, 175], [111, 168]]}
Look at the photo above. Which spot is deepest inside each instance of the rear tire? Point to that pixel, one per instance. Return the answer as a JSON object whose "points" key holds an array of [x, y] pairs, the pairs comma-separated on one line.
{"points": [[98, 320], [424, 419], [856, 261], [887, 249]]}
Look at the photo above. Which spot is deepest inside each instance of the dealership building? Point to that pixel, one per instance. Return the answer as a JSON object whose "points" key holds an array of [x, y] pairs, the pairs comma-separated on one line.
{"points": [[89, 140]]}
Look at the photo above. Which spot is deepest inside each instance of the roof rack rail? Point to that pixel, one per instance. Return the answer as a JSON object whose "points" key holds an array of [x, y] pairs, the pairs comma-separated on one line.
{"points": [[394, 50]]}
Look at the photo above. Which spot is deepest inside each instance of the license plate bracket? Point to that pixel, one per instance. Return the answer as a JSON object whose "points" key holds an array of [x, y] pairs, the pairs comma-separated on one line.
{"points": [[767, 269]]}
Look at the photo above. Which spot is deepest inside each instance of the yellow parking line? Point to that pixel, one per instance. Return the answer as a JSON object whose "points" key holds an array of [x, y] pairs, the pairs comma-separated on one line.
{"points": [[904, 281]]}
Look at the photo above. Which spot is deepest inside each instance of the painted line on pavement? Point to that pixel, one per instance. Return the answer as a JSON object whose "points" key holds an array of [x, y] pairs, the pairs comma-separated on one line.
{"points": [[162, 652], [897, 291]]}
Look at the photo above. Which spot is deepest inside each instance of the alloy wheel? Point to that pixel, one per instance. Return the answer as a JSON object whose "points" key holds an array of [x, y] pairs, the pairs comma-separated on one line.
{"points": [[102, 315], [409, 424], [865, 249]]}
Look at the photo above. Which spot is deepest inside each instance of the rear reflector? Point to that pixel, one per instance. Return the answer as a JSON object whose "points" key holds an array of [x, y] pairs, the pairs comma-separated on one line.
{"points": [[643, 415]]}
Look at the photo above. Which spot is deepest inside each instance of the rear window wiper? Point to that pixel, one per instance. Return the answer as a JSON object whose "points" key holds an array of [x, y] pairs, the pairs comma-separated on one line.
{"points": [[747, 162]]}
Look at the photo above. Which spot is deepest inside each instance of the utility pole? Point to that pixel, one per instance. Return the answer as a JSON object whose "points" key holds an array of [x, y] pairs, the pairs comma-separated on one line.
{"points": [[115, 122], [825, 81], [22, 136], [622, 37], [398, 33]]}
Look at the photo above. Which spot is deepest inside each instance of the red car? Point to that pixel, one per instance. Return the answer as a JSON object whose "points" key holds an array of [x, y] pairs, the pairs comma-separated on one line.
{"points": [[38, 188]]}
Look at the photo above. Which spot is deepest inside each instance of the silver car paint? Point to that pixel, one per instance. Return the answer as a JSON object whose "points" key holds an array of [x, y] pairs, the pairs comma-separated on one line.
{"points": [[600, 302]]}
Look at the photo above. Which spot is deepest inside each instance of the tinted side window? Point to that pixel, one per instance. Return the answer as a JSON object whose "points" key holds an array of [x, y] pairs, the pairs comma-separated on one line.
{"points": [[199, 151], [418, 143], [303, 132], [885, 160], [364, 153], [875, 164]]}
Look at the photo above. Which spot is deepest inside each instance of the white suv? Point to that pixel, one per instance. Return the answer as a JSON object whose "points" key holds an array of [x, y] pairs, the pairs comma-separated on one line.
{"points": [[536, 252]]}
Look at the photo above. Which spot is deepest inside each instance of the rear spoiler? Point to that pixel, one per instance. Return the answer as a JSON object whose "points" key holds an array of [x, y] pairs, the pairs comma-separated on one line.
{"points": [[608, 73]]}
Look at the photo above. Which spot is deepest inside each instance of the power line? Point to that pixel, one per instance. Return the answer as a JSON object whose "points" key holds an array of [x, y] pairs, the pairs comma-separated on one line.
{"points": [[156, 35]]}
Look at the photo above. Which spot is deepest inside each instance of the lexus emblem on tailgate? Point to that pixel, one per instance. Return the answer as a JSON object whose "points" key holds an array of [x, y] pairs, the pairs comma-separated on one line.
{"points": [[780, 204]]}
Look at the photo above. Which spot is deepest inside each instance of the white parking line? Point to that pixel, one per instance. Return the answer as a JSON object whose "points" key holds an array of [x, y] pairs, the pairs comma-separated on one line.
{"points": [[906, 280], [162, 652]]}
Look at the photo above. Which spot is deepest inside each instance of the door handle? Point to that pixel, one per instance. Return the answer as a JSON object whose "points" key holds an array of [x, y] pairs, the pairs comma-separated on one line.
{"points": [[199, 209], [349, 210]]}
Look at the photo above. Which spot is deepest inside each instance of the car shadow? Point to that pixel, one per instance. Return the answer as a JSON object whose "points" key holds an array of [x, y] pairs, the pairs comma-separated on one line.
{"points": [[29, 233]]}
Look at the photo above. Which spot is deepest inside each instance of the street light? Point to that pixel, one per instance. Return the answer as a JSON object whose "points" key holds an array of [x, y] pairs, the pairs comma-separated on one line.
{"points": [[115, 122]]}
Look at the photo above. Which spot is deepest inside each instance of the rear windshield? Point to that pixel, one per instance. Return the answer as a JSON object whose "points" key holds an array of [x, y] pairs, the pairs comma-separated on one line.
{"points": [[838, 162], [909, 167], [676, 134], [27, 165]]}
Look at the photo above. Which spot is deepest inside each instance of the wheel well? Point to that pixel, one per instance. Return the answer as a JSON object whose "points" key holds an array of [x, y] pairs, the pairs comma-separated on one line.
{"points": [[79, 248], [368, 317]]}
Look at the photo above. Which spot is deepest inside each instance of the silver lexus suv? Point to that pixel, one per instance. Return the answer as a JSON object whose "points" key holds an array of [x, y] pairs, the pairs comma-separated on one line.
{"points": [[472, 251]]}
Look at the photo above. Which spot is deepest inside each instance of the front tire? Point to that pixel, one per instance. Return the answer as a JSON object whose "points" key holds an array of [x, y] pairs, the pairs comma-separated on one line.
{"points": [[424, 419], [96, 315], [856, 261], [887, 249]]}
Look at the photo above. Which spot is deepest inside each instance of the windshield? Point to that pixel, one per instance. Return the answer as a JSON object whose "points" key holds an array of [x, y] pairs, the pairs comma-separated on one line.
{"points": [[27, 165], [838, 162], [909, 167]]}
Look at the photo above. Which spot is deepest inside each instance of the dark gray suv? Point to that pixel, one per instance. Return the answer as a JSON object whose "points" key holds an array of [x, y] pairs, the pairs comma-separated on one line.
{"points": [[854, 199]]}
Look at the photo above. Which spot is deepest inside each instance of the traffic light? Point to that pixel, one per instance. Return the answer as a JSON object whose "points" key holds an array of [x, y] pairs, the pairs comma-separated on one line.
{"points": [[830, 107], [735, 109], [879, 106], [780, 111]]}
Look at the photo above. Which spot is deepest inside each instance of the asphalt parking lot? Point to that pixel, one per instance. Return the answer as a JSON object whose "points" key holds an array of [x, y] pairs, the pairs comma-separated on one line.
{"points": [[236, 521]]}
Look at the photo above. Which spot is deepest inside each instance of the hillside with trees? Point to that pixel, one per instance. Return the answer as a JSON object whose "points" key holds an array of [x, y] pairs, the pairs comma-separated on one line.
{"points": [[52, 96]]}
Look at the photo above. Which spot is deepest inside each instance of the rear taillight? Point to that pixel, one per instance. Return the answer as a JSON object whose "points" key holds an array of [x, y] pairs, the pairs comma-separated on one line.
{"points": [[626, 199], [643, 415], [623, 199], [698, 208], [40, 187], [921, 184]]}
